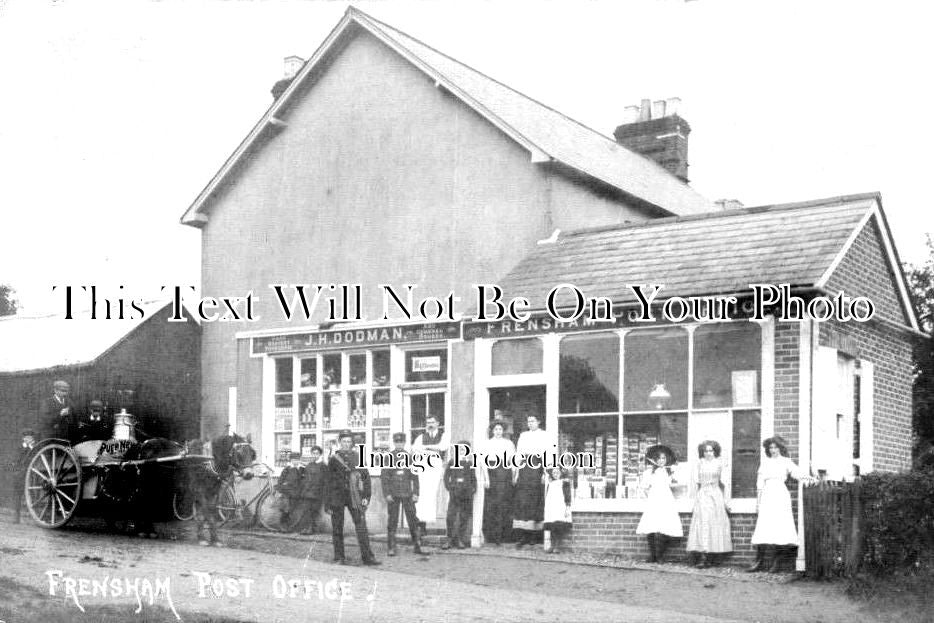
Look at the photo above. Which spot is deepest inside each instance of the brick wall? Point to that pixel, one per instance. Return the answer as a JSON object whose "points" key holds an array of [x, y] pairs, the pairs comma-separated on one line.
{"points": [[615, 533], [787, 339], [865, 272]]}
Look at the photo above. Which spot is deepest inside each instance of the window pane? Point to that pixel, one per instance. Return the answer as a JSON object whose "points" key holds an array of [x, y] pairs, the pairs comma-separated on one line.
{"points": [[746, 452], [727, 365], [381, 368], [284, 374], [306, 410], [643, 431], [596, 436], [589, 374], [426, 365], [357, 406], [357, 369], [284, 412], [309, 372], [656, 357], [517, 356], [332, 372], [381, 407]]}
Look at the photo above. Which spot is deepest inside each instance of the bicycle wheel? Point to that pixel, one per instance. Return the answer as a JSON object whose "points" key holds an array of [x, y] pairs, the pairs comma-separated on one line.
{"points": [[227, 507], [269, 511], [183, 506]]}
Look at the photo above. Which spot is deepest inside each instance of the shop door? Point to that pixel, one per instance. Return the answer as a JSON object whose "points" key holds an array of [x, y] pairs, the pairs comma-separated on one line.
{"points": [[513, 405], [418, 405]]}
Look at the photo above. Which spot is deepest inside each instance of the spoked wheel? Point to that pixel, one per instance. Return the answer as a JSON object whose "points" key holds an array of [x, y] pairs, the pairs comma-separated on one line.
{"points": [[227, 508], [183, 506], [53, 485], [270, 512]]}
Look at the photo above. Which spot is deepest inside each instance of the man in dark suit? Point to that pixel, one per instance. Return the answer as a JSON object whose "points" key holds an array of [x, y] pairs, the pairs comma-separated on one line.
{"points": [[348, 486], [95, 424], [400, 486], [56, 416], [19, 471]]}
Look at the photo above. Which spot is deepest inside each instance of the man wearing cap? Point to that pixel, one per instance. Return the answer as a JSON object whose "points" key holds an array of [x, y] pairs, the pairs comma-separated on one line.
{"points": [[19, 471], [95, 424], [400, 486], [55, 413], [348, 486]]}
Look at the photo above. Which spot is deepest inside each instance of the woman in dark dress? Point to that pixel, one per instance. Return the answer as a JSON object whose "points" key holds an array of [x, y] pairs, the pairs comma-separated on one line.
{"points": [[529, 508], [497, 505]]}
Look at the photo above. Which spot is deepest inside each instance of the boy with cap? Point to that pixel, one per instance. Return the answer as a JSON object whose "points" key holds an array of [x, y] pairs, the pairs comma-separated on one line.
{"points": [[400, 486], [290, 485], [311, 496], [19, 471], [461, 483], [348, 486]]}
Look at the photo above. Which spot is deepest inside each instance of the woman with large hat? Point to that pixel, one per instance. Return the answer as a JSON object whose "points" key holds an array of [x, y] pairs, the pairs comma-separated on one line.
{"points": [[660, 521]]}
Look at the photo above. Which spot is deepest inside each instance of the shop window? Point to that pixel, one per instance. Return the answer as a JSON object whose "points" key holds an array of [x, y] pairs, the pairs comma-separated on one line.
{"points": [[381, 368], [426, 365], [517, 356], [589, 374], [283, 375], [643, 431], [308, 377], [332, 369], [655, 373], [727, 365], [420, 406], [597, 436], [357, 369], [744, 460]]}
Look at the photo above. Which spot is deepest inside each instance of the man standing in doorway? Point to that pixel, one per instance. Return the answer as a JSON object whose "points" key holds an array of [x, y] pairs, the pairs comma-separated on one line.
{"points": [[432, 442], [348, 486]]}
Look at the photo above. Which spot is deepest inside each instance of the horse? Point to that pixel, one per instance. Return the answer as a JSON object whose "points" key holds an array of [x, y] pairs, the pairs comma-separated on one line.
{"points": [[232, 454]]}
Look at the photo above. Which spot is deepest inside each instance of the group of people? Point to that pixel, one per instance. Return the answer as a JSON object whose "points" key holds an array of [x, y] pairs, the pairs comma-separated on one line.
{"points": [[709, 534]]}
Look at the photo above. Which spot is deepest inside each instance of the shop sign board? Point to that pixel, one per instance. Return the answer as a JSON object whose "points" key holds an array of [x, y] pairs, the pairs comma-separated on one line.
{"points": [[355, 338]]}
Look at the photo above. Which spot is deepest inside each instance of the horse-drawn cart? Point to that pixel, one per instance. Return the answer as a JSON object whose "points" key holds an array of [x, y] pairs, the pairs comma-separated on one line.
{"points": [[110, 479]]}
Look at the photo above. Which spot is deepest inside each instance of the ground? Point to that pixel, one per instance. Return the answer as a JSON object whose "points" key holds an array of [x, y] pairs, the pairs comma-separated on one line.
{"points": [[486, 584]]}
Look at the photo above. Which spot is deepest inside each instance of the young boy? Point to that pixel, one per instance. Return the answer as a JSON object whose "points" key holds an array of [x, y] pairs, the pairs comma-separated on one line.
{"points": [[311, 497], [19, 471], [400, 486], [461, 483], [290, 485]]}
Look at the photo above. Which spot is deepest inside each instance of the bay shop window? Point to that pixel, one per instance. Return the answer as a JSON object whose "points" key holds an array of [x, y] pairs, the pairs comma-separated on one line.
{"points": [[373, 393], [619, 392]]}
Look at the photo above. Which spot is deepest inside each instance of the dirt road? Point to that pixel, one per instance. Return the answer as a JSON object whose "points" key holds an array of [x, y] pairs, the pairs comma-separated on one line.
{"points": [[294, 580]]}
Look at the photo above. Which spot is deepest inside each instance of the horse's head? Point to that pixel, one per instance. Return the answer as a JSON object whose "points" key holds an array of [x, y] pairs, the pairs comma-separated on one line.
{"points": [[234, 452]]}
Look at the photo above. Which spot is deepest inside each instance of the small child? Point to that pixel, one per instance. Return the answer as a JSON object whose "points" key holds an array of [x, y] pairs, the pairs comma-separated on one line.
{"points": [[290, 485], [461, 483], [312, 491], [557, 507]]}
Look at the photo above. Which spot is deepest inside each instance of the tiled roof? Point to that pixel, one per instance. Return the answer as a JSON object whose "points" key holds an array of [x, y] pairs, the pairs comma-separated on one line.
{"points": [[562, 138], [39, 342], [546, 133], [718, 253]]}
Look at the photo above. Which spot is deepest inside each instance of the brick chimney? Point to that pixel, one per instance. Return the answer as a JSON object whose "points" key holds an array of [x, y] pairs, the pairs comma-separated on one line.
{"points": [[656, 131], [293, 65]]}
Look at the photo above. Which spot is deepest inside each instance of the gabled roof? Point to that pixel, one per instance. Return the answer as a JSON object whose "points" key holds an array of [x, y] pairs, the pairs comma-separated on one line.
{"points": [[39, 342], [548, 135], [716, 253]]}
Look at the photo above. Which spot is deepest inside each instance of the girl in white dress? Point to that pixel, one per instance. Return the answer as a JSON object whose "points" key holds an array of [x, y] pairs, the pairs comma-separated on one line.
{"points": [[710, 523], [557, 507], [660, 519], [775, 525]]}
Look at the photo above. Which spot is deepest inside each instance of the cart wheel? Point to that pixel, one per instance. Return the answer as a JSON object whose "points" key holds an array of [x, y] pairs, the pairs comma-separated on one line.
{"points": [[227, 507], [53, 485], [183, 506]]}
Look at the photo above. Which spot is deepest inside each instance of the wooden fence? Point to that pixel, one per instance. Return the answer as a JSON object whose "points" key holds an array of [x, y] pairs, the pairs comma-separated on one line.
{"points": [[833, 523]]}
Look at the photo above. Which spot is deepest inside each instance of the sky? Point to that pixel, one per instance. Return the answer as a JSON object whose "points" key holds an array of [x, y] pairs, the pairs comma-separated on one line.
{"points": [[115, 114]]}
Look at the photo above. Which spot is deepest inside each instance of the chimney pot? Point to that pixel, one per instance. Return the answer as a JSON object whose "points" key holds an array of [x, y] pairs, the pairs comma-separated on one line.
{"points": [[658, 134], [630, 114], [293, 64]]}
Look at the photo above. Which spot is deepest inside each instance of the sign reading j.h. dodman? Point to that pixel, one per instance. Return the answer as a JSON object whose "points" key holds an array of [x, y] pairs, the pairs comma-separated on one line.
{"points": [[352, 338]]}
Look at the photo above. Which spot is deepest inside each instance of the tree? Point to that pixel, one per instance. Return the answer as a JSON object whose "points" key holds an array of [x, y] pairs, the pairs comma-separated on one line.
{"points": [[921, 283], [7, 301]]}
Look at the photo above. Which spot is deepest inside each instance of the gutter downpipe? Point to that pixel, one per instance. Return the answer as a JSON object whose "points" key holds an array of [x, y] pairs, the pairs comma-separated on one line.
{"points": [[808, 339]]}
